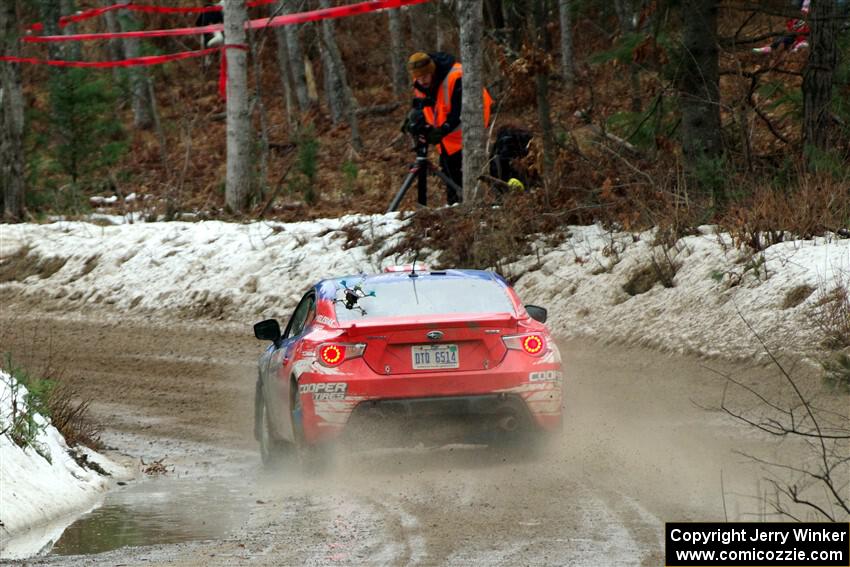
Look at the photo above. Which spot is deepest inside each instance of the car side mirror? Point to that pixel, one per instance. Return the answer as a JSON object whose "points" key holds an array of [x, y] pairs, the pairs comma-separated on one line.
{"points": [[536, 313], [268, 330]]}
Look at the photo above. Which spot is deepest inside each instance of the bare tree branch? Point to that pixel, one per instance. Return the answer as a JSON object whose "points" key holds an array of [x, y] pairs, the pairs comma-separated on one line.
{"points": [[825, 437]]}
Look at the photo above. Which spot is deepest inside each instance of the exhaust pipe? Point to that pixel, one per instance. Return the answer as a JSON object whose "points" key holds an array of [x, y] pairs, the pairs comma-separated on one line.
{"points": [[509, 423]]}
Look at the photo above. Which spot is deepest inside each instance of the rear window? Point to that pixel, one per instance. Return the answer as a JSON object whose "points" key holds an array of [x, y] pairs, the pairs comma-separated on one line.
{"points": [[405, 296]]}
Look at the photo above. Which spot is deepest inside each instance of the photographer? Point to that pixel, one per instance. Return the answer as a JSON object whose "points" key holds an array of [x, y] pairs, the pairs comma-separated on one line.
{"points": [[437, 91]]}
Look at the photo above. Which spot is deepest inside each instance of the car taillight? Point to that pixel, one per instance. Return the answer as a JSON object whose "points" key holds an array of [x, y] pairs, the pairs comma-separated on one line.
{"points": [[334, 354], [532, 344]]}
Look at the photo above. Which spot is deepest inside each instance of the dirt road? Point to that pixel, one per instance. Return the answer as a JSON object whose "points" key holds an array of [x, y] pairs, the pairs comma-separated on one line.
{"points": [[637, 450]]}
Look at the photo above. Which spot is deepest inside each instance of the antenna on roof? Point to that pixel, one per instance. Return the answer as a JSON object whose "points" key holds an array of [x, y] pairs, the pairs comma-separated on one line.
{"points": [[413, 273]]}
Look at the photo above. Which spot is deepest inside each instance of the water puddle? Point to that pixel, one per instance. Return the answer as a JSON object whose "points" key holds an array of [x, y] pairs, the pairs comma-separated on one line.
{"points": [[160, 511]]}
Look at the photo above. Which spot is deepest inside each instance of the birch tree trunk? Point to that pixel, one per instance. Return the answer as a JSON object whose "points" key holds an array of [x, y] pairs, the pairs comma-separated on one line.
{"points": [[260, 107], [818, 76], [49, 10], [74, 49], [541, 80], [471, 22], [12, 178], [333, 90], [296, 60], [567, 65], [441, 28], [238, 181], [399, 71], [445, 27], [338, 86], [333, 79], [421, 24], [699, 94], [114, 48], [283, 63], [140, 87]]}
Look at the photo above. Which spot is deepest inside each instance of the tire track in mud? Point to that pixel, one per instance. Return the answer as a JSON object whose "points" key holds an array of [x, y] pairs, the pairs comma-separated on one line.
{"points": [[339, 527], [483, 507], [644, 529], [407, 545]]}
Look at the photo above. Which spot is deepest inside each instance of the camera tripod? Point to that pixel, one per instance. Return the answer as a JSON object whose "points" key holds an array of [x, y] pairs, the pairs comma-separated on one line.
{"points": [[419, 171]]}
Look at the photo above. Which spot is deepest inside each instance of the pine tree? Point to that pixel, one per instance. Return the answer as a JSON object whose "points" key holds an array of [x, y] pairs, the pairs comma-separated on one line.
{"points": [[86, 134]]}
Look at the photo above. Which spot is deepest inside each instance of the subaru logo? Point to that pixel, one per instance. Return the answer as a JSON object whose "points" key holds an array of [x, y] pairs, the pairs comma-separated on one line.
{"points": [[435, 335]]}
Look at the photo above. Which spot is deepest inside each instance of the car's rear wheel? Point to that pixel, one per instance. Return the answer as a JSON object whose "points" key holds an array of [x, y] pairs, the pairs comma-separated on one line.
{"points": [[273, 451], [314, 458]]}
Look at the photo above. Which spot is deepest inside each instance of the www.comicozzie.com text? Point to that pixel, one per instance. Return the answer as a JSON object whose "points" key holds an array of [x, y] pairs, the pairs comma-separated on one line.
{"points": [[728, 536]]}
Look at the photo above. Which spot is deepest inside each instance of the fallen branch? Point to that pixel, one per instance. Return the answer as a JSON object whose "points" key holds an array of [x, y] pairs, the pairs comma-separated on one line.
{"points": [[494, 181]]}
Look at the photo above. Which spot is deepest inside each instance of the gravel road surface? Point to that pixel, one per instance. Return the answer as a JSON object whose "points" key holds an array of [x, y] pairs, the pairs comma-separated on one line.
{"points": [[639, 448]]}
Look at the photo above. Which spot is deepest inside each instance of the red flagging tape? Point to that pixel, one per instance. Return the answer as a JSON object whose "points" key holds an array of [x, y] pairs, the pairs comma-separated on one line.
{"points": [[302, 17], [94, 12], [133, 62], [222, 73]]}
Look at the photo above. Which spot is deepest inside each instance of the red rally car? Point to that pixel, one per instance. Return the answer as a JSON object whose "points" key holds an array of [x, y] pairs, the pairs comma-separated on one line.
{"points": [[409, 345]]}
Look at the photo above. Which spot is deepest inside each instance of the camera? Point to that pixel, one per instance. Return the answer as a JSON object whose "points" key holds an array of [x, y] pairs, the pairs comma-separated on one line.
{"points": [[421, 103], [416, 122]]}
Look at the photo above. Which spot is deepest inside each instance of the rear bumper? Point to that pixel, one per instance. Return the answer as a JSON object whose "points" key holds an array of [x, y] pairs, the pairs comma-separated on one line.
{"points": [[488, 405], [529, 389], [445, 419]]}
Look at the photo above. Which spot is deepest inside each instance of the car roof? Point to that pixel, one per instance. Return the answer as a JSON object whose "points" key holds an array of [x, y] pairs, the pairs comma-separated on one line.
{"points": [[328, 288]]}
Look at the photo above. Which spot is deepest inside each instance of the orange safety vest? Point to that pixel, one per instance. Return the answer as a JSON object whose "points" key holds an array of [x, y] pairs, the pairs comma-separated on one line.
{"points": [[436, 115]]}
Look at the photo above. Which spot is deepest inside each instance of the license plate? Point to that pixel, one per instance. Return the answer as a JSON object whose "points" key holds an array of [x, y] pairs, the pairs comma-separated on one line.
{"points": [[429, 357]]}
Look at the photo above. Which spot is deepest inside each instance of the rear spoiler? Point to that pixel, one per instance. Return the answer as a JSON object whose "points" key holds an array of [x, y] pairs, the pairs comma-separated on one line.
{"points": [[384, 324]]}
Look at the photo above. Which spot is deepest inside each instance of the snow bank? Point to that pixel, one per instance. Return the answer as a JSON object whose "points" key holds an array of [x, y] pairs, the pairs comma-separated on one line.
{"points": [[35, 492], [248, 271], [716, 288], [215, 269]]}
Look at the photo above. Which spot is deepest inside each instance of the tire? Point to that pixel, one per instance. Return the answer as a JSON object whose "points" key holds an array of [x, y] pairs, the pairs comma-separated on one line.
{"points": [[313, 458], [273, 452]]}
